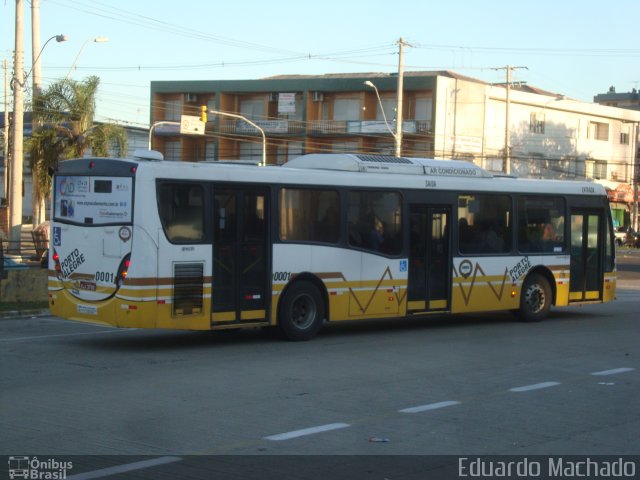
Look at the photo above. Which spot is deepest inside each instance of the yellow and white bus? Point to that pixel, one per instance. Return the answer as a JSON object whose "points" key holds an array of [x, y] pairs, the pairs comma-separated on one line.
{"points": [[148, 243]]}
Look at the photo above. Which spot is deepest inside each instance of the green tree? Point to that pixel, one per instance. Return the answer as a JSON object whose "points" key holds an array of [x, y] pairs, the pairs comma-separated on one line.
{"points": [[65, 114]]}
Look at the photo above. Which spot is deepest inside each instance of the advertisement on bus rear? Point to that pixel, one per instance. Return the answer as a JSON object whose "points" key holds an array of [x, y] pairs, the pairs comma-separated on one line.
{"points": [[93, 200]]}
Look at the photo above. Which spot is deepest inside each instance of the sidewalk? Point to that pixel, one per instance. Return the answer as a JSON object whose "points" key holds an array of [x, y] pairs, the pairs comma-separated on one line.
{"points": [[28, 255], [15, 314]]}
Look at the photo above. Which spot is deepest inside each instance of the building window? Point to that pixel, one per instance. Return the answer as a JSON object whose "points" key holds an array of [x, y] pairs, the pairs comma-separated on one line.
{"points": [[596, 169], [624, 138], [172, 110], [211, 105], [253, 109], [309, 215], [172, 151], [578, 167], [209, 151], [251, 151], [375, 221], [536, 123], [424, 108], [600, 170], [494, 164], [346, 109], [390, 106], [484, 224], [599, 131]]}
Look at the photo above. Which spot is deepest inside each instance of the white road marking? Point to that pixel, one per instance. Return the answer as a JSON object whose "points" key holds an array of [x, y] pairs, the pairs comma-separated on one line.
{"points": [[127, 467], [307, 431], [535, 386], [431, 406], [613, 371]]}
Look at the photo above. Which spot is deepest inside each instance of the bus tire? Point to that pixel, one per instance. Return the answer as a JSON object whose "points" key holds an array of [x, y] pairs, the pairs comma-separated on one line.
{"points": [[302, 311], [535, 298]]}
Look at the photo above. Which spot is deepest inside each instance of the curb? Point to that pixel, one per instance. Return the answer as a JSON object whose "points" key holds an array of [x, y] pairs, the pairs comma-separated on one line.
{"points": [[15, 314]]}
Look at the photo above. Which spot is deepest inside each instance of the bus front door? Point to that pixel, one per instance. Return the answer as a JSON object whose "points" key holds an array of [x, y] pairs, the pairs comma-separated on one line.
{"points": [[239, 284], [429, 259], [586, 257]]}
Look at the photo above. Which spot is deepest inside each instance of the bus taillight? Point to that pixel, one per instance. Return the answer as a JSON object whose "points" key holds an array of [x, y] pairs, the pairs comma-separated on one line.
{"points": [[56, 264], [123, 270]]}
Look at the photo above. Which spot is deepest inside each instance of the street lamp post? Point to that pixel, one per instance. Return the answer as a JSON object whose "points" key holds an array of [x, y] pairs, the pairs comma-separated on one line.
{"points": [[240, 117], [94, 40], [397, 139], [37, 203], [397, 136]]}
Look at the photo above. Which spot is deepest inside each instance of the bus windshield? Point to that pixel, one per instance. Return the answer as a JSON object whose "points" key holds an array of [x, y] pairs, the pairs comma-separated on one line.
{"points": [[93, 200]]}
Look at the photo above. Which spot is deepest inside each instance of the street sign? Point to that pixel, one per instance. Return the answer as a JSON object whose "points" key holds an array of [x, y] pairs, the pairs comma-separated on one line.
{"points": [[191, 125]]}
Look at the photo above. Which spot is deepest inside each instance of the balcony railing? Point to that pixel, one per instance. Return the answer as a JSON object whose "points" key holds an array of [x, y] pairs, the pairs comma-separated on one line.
{"points": [[367, 127], [327, 127], [281, 127], [314, 127]]}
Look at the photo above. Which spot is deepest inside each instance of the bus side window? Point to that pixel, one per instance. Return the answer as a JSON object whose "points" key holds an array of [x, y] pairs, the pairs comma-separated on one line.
{"points": [[182, 212], [375, 221], [541, 224], [309, 215], [484, 224]]}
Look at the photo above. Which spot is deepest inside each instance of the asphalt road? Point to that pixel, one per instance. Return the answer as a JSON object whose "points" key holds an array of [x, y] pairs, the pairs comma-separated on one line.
{"points": [[465, 385]]}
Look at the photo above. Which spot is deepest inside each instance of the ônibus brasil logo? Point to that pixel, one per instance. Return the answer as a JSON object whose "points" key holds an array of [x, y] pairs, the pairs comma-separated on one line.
{"points": [[34, 468]]}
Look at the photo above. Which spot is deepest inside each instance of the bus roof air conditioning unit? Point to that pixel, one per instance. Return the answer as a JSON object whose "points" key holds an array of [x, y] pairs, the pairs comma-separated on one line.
{"points": [[317, 96], [190, 98]]}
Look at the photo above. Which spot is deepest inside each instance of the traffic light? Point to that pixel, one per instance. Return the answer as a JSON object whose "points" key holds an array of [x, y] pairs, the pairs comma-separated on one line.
{"points": [[203, 113]]}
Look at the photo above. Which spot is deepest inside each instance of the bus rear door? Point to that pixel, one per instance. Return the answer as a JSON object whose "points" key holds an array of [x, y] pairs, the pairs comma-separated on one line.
{"points": [[429, 259], [239, 255], [587, 248]]}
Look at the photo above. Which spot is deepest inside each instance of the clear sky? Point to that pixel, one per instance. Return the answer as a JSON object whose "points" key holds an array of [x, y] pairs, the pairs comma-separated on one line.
{"points": [[576, 48]]}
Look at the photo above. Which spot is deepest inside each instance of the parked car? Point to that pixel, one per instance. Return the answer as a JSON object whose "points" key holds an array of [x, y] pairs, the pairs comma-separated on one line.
{"points": [[621, 235], [628, 237]]}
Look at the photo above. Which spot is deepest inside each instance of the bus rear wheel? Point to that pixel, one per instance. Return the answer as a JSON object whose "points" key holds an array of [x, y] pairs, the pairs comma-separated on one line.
{"points": [[302, 311], [535, 299]]}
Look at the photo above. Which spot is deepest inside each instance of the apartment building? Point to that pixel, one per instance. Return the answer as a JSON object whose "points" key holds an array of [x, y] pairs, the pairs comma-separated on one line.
{"points": [[445, 115], [612, 98], [299, 114]]}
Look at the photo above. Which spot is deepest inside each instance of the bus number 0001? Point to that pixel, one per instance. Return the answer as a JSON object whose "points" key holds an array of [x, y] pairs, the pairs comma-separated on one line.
{"points": [[281, 276], [105, 277]]}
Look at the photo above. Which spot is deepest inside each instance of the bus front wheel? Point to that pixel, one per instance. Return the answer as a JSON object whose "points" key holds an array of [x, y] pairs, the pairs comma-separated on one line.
{"points": [[535, 298], [302, 311]]}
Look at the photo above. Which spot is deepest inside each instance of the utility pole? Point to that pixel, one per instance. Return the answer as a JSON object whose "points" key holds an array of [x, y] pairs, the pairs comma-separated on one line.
{"points": [[5, 179], [37, 203], [506, 166], [636, 175], [17, 152], [398, 135]]}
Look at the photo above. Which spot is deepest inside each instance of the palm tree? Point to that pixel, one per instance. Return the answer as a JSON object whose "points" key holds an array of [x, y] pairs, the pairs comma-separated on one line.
{"points": [[65, 111]]}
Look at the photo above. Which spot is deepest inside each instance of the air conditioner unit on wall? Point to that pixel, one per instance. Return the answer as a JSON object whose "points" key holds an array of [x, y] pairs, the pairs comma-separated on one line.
{"points": [[190, 98], [273, 97], [317, 96]]}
